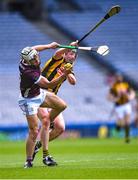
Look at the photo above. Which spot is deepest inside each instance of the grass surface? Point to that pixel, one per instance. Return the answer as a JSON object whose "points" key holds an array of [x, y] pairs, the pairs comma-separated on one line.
{"points": [[77, 159]]}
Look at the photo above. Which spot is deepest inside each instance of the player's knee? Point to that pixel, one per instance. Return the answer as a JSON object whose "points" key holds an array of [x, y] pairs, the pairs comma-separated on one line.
{"points": [[60, 128], [63, 106]]}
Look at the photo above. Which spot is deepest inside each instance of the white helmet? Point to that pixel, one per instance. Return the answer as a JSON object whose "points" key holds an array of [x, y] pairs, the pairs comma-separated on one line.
{"points": [[28, 53]]}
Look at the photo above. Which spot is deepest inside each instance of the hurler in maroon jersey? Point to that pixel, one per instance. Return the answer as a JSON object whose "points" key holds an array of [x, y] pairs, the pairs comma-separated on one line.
{"points": [[33, 95]]}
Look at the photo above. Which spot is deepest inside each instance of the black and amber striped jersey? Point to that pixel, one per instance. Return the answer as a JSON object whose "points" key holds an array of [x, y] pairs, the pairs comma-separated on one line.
{"points": [[50, 71], [120, 89]]}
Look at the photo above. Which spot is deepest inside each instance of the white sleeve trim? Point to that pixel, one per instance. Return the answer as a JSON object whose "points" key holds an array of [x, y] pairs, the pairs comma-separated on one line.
{"points": [[38, 79]]}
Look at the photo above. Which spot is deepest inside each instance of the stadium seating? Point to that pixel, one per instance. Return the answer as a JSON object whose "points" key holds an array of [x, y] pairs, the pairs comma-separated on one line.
{"points": [[120, 32], [85, 106], [15, 33], [51, 5]]}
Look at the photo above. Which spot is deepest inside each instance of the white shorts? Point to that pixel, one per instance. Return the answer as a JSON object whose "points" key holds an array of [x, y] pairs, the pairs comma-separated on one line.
{"points": [[30, 106], [123, 110]]}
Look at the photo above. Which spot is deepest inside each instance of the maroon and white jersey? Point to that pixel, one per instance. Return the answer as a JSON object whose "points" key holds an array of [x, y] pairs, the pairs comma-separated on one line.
{"points": [[29, 76]]}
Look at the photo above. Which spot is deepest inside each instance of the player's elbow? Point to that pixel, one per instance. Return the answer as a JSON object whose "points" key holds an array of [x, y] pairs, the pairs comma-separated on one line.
{"points": [[73, 83], [72, 80]]}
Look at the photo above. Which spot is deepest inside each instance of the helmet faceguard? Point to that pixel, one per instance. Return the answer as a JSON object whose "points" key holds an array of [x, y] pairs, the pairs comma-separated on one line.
{"points": [[28, 54]]}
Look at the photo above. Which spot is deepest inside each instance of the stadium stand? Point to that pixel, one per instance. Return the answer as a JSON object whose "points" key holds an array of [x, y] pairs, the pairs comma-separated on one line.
{"points": [[59, 5], [116, 33], [15, 33], [87, 104]]}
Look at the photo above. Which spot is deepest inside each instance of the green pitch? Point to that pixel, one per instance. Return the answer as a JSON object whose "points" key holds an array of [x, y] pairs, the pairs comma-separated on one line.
{"points": [[77, 159]]}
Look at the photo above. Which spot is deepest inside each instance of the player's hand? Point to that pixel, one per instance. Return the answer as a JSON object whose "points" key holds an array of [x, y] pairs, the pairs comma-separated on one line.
{"points": [[65, 70], [75, 43], [131, 95], [62, 71], [54, 45]]}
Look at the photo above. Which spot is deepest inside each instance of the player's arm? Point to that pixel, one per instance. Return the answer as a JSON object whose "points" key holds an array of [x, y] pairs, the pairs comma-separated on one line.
{"points": [[60, 52], [45, 83], [52, 45], [71, 79], [131, 94], [111, 97]]}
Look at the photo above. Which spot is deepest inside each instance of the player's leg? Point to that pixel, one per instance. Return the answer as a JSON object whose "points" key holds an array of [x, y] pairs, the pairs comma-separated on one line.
{"points": [[127, 116], [58, 127], [119, 118], [44, 134], [136, 120], [43, 115], [30, 143], [127, 127], [56, 104], [29, 107]]}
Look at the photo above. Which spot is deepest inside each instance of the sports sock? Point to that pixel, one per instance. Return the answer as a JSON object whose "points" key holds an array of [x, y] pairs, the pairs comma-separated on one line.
{"points": [[38, 144], [29, 159], [45, 153], [127, 130]]}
